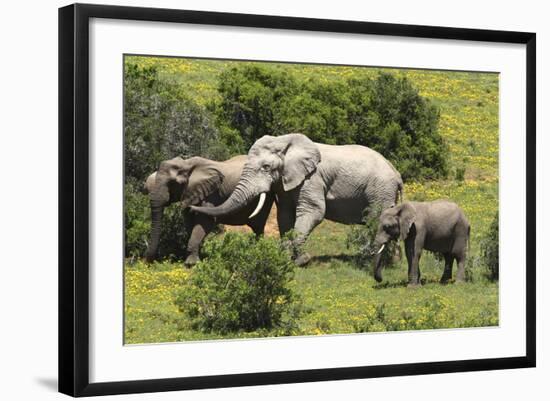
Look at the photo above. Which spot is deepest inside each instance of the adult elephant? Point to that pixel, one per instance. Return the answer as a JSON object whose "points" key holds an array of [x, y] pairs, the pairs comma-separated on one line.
{"points": [[312, 181], [199, 181]]}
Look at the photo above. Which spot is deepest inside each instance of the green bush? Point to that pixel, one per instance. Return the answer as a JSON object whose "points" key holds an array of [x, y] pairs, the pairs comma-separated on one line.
{"points": [[137, 220], [386, 114], [489, 249], [242, 284], [360, 239]]}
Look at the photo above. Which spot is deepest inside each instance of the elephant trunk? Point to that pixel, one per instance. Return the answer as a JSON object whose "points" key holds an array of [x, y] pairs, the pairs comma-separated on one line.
{"points": [[378, 267], [156, 225], [159, 197], [379, 245], [240, 197]]}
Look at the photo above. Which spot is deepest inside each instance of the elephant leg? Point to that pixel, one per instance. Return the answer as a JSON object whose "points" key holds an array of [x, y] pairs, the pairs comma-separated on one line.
{"points": [[188, 222], [460, 256], [203, 226], [414, 273], [286, 216], [409, 252], [257, 229], [306, 221], [414, 252], [448, 272], [461, 270]]}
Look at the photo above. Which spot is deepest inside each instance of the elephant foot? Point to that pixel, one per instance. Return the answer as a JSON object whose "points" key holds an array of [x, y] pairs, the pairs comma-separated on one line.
{"points": [[460, 280], [191, 260], [444, 280], [303, 259], [414, 285]]}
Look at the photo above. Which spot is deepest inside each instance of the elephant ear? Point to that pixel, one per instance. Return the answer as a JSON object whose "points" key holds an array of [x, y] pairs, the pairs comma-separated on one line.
{"points": [[407, 216], [204, 180], [149, 184], [301, 158]]}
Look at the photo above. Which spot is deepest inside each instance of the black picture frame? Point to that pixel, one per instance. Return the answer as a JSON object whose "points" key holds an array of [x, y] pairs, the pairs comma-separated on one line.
{"points": [[74, 198]]}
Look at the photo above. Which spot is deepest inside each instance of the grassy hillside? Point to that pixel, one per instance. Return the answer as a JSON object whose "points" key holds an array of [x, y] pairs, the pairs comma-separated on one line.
{"points": [[338, 296]]}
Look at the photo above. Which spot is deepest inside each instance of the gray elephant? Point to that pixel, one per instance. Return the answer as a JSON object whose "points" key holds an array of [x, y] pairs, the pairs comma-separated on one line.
{"points": [[438, 226], [199, 181], [312, 181]]}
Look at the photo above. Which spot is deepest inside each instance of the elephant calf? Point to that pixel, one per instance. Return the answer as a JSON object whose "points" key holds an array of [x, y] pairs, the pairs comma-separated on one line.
{"points": [[438, 226], [200, 181]]}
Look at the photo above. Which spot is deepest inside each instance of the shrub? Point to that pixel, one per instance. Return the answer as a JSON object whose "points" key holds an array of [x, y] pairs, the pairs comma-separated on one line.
{"points": [[242, 284], [386, 114], [137, 221], [360, 239], [400, 124], [489, 249]]}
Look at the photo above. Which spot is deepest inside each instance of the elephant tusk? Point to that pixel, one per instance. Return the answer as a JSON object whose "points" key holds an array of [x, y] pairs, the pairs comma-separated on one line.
{"points": [[260, 205], [381, 249]]}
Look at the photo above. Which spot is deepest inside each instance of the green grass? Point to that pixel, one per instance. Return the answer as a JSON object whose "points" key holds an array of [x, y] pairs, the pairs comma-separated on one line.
{"points": [[337, 296]]}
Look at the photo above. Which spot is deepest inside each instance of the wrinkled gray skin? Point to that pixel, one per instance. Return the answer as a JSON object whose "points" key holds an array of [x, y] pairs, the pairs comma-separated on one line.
{"points": [[438, 226], [198, 181], [312, 181]]}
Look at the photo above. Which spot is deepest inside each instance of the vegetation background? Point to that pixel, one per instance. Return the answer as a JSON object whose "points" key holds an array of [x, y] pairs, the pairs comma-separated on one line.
{"points": [[439, 128]]}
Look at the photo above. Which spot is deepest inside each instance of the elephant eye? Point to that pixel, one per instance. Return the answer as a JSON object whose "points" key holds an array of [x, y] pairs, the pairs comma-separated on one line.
{"points": [[266, 167]]}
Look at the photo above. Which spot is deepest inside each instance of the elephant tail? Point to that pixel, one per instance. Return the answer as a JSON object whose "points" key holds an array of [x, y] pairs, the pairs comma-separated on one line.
{"points": [[399, 195]]}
